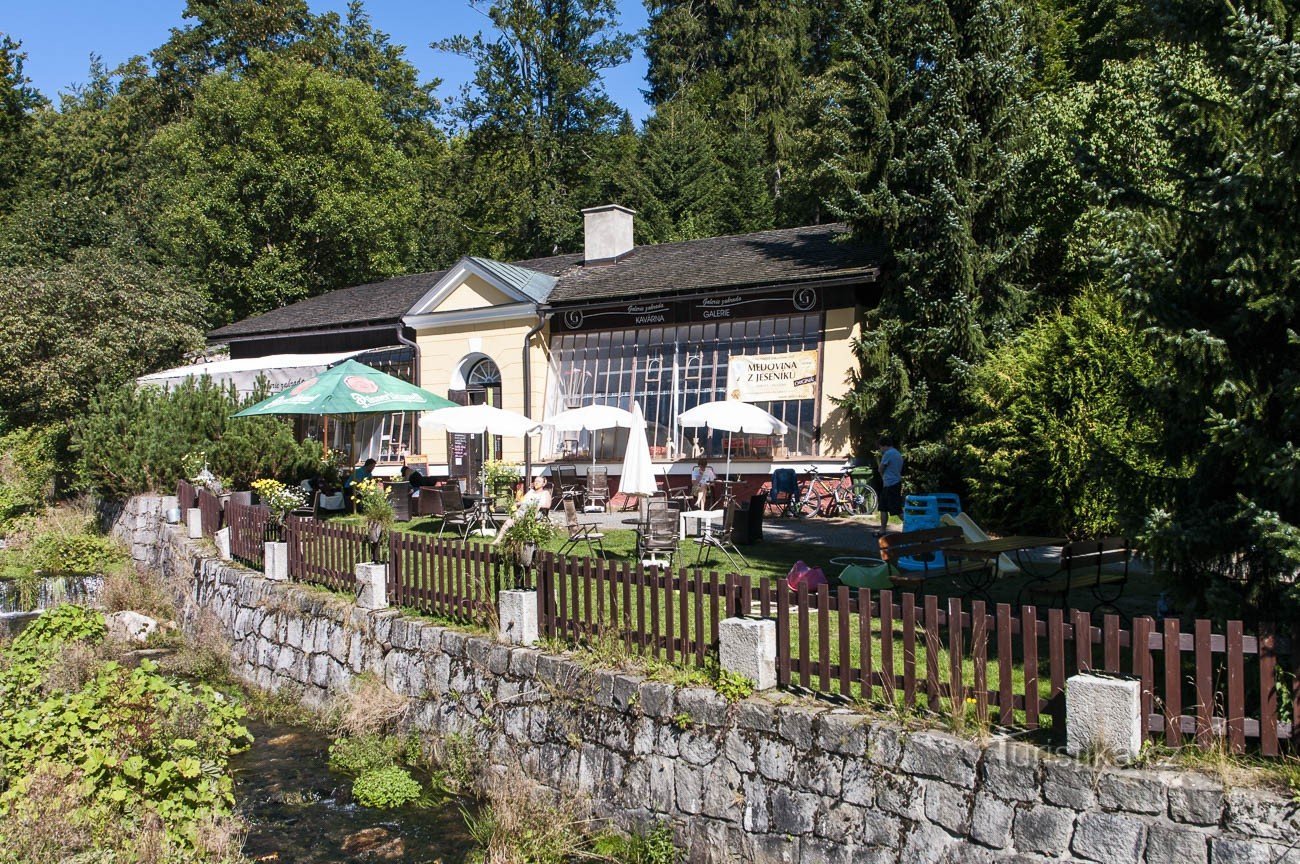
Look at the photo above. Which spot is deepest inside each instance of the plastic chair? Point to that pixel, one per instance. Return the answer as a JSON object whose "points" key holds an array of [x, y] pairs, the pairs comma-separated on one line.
{"points": [[785, 492]]}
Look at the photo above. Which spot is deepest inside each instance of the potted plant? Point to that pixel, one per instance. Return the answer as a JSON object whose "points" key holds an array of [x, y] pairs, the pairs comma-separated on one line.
{"points": [[195, 466], [281, 500], [371, 501], [529, 529], [498, 475]]}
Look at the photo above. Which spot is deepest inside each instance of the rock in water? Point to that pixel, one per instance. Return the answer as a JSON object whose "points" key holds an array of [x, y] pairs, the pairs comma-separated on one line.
{"points": [[129, 626], [374, 843]]}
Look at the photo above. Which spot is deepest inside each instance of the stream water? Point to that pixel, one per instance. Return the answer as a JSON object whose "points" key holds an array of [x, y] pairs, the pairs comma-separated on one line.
{"points": [[20, 603], [301, 813]]}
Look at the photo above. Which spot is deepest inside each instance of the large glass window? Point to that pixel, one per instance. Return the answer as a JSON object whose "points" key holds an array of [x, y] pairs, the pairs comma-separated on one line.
{"points": [[385, 437], [670, 370]]}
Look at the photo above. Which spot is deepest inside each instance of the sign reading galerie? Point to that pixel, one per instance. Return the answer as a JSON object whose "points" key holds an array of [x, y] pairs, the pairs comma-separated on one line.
{"points": [[772, 377]]}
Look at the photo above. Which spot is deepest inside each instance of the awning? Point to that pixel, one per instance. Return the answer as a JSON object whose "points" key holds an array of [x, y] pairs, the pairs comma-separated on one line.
{"points": [[280, 371]]}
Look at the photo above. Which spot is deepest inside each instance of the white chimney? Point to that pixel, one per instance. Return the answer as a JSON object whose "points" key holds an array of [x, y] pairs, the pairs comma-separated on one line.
{"points": [[607, 233]]}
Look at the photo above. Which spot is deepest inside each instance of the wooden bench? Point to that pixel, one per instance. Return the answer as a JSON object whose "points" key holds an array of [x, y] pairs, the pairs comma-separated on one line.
{"points": [[1101, 566], [927, 546]]}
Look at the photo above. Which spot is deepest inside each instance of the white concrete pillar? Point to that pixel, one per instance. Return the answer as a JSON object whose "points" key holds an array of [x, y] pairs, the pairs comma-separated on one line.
{"points": [[747, 646], [275, 561], [194, 523], [1103, 716], [372, 586], [517, 614], [222, 539]]}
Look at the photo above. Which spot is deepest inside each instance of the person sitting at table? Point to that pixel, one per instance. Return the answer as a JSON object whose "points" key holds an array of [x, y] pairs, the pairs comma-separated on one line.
{"points": [[702, 479], [415, 478], [363, 472], [538, 497]]}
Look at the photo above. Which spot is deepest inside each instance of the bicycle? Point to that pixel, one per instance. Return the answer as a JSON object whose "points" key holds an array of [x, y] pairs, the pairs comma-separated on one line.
{"points": [[822, 497]]}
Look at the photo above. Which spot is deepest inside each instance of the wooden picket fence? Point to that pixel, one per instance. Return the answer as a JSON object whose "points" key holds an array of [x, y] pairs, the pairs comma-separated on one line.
{"points": [[446, 578], [211, 511], [652, 611], [325, 553], [186, 495], [248, 532], [1010, 666]]}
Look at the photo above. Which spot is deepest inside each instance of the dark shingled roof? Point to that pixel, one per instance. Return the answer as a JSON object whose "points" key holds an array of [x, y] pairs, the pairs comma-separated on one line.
{"points": [[764, 258]]}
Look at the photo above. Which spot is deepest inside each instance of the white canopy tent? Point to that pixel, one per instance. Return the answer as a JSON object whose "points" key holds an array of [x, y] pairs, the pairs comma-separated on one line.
{"points": [[279, 370]]}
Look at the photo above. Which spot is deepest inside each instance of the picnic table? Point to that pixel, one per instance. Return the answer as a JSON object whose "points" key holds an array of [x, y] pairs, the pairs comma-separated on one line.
{"points": [[991, 551]]}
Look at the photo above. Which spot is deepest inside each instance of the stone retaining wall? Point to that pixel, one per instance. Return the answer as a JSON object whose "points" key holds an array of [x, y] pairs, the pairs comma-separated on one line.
{"points": [[757, 781]]}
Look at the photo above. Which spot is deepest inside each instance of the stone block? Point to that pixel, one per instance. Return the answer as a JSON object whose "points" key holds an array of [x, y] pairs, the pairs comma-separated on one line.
{"points": [[1010, 770], [1173, 844], [1067, 783], [1195, 799], [748, 648], [1103, 714], [990, 821], [775, 760], [518, 617], [222, 539], [1045, 830], [793, 812], [1135, 792], [275, 561], [194, 523], [703, 704], [1231, 851], [935, 754], [1109, 838], [842, 732], [1263, 814], [372, 586], [948, 807]]}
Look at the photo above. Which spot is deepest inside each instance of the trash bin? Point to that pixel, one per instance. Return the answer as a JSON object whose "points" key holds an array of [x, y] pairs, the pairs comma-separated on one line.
{"points": [[748, 527]]}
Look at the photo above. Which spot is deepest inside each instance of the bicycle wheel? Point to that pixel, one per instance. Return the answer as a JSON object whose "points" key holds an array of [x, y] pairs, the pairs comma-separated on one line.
{"points": [[809, 505], [868, 502]]}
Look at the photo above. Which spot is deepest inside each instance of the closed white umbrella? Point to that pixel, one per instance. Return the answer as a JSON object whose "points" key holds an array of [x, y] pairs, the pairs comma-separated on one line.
{"points": [[638, 477], [731, 416]]}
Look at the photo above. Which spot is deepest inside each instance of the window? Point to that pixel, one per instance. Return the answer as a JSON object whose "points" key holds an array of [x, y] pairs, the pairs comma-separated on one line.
{"points": [[670, 370], [386, 437]]}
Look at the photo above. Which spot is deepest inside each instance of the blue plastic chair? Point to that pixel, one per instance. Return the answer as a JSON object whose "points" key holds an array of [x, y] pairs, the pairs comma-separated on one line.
{"points": [[785, 492]]}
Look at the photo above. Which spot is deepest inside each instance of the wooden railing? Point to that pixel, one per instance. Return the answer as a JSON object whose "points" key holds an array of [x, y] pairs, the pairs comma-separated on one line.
{"points": [[654, 612], [325, 553], [210, 508], [186, 495], [1010, 666], [248, 532], [446, 578]]}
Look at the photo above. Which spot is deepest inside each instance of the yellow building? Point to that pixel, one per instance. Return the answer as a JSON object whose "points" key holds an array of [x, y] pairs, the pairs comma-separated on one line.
{"points": [[768, 318]]}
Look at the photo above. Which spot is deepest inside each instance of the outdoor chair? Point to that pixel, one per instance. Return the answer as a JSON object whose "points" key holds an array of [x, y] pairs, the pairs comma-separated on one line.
{"points": [[455, 514], [597, 491], [429, 503], [581, 532], [784, 496], [915, 556], [722, 540], [678, 497], [658, 537], [1101, 566], [566, 485]]}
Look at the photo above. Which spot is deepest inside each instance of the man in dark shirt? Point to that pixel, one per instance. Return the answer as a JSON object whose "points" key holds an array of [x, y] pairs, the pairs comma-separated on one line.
{"points": [[414, 477]]}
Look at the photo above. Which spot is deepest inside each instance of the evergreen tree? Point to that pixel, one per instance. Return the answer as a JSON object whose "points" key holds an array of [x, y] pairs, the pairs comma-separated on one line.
{"points": [[17, 101], [1213, 274], [534, 118], [932, 118]]}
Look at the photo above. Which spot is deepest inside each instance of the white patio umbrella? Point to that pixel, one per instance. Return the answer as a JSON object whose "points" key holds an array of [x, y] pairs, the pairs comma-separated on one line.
{"points": [[638, 477], [731, 416], [482, 420], [591, 418]]}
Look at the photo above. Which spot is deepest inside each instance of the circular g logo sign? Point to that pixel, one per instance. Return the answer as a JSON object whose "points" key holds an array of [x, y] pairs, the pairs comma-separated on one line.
{"points": [[805, 299], [573, 319]]}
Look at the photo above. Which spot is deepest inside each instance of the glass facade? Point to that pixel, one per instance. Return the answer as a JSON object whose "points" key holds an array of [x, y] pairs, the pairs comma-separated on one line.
{"points": [[671, 369]]}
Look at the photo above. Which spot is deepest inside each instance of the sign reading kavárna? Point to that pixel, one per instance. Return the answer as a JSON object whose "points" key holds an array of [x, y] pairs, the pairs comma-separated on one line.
{"points": [[771, 377]]}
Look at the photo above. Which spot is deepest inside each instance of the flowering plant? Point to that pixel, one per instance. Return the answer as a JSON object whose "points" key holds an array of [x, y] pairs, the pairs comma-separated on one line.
{"points": [[371, 501], [195, 466], [280, 499]]}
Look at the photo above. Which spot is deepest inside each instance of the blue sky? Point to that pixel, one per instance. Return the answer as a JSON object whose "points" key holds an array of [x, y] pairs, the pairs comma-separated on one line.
{"points": [[60, 35]]}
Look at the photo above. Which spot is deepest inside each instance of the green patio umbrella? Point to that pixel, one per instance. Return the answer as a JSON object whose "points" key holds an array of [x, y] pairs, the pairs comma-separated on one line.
{"points": [[346, 391]]}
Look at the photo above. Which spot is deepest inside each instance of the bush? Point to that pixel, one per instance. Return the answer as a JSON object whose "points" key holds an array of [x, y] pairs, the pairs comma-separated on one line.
{"points": [[29, 470], [1065, 438], [134, 439], [383, 788], [80, 554], [364, 754]]}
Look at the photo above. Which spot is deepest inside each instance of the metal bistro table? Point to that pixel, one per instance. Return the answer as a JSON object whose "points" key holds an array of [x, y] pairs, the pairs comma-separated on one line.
{"points": [[992, 551], [482, 518]]}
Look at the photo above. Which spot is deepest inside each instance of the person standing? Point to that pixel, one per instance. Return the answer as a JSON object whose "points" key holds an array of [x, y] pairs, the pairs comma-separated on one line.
{"points": [[891, 481]]}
